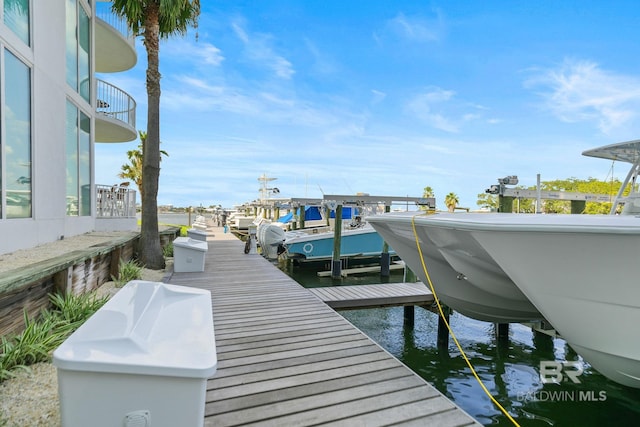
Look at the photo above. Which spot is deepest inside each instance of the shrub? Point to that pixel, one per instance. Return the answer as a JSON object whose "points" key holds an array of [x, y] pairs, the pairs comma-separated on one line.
{"points": [[44, 334], [127, 271], [167, 250]]}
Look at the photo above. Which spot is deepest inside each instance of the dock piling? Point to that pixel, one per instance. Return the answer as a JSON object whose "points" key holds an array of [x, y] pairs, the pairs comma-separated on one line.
{"points": [[336, 266]]}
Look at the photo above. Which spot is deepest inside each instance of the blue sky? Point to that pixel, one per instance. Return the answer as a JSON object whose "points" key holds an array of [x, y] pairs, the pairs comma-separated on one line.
{"points": [[387, 97]]}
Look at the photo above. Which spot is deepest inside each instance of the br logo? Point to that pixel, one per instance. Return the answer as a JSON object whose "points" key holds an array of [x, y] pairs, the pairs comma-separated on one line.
{"points": [[555, 372]]}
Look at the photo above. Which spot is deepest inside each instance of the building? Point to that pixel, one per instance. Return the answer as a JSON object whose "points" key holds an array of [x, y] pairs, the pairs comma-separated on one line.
{"points": [[53, 109]]}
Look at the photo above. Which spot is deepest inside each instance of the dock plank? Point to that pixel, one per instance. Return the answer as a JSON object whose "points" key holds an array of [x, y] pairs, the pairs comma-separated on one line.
{"points": [[379, 295], [287, 358]]}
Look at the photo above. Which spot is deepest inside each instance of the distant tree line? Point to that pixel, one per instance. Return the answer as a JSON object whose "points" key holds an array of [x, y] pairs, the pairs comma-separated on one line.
{"points": [[574, 185]]}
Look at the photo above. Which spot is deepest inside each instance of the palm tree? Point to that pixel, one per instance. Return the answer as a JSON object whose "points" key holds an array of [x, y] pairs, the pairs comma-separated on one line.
{"points": [[451, 201], [153, 20], [133, 170], [427, 193]]}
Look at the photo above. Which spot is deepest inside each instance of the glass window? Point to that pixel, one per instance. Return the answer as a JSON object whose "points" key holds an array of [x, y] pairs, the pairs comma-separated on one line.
{"points": [[78, 40], [84, 164], [78, 153], [72, 159], [17, 142], [16, 17], [83, 54], [72, 44]]}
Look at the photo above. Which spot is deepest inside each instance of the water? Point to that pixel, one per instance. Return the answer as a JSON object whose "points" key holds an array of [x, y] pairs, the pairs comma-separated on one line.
{"points": [[174, 218], [509, 370]]}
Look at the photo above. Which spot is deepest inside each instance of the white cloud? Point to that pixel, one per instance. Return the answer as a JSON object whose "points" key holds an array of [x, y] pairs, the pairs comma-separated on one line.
{"points": [[425, 105], [193, 52], [417, 28], [579, 91], [259, 50]]}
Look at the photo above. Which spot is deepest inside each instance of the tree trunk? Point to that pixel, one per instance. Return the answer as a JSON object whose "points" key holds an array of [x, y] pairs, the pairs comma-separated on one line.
{"points": [[150, 249]]}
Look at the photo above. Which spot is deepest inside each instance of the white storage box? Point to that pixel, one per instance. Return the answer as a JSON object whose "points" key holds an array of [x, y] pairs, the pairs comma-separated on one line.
{"points": [[188, 254], [143, 359], [196, 234]]}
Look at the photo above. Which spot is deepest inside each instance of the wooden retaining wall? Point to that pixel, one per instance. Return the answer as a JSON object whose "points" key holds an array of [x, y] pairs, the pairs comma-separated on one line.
{"points": [[27, 289]]}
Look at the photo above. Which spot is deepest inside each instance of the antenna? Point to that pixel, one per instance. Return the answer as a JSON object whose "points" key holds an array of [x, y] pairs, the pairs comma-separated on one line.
{"points": [[321, 190]]}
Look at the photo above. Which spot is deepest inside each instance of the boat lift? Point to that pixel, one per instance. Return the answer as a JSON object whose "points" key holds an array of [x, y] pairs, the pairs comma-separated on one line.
{"points": [[336, 201]]}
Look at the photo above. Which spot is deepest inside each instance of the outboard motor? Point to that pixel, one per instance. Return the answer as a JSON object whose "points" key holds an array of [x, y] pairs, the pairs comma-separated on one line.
{"points": [[273, 236]]}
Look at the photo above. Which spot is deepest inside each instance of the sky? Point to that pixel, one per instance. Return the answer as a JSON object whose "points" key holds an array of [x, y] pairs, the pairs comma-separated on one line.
{"points": [[387, 97]]}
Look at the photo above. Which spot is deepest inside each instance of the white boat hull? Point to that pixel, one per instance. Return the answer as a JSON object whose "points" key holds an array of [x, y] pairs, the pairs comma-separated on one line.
{"points": [[464, 277], [581, 271]]}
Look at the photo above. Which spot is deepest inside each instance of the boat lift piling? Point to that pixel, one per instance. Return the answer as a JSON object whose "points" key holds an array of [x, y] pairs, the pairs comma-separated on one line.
{"points": [[385, 258], [336, 264], [301, 217]]}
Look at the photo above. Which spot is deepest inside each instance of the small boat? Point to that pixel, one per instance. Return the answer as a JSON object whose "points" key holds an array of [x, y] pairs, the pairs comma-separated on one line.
{"points": [[315, 241], [271, 234], [579, 271], [358, 240]]}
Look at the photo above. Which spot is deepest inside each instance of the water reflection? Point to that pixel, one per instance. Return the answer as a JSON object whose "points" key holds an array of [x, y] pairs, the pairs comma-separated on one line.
{"points": [[509, 370]]}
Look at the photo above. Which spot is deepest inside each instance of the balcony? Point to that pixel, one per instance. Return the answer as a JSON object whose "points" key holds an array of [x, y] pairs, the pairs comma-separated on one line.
{"points": [[117, 201], [115, 208], [115, 114], [114, 42]]}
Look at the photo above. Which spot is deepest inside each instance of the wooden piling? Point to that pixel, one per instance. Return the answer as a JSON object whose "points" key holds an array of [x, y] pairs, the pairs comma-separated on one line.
{"points": [[443, 331], [409, 316], [336, 266], [502, 331], [385, 258]]}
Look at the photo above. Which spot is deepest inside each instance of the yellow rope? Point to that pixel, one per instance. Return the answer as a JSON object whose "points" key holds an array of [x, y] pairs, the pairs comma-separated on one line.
{"points": [[444, 319]]}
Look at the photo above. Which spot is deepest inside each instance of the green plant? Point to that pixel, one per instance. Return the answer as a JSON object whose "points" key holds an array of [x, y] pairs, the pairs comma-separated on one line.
{"points": [[127, 271], [167, 250], [75, 309], [43, 335]]}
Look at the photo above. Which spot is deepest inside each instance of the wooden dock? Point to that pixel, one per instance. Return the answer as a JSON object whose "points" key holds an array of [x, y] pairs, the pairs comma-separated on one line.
{"points": [[379, 295], [287, 359]]}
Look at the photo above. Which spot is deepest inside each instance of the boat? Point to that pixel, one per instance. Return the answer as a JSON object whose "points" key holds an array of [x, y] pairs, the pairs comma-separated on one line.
{"points": [[468, 281], [358, 240], [315, 241], [579, 271], [271, 234]]}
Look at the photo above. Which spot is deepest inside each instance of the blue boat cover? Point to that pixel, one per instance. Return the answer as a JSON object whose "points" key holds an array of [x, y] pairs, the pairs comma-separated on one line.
{"points": [[313, 213]]}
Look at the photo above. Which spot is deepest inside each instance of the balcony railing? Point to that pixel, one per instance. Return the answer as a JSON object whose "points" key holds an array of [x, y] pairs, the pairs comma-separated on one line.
{"points": [[104, 12], [115, 103], [115, 202]]}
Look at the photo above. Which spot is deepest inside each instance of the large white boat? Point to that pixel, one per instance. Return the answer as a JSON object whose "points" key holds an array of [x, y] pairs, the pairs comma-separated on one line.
{"points": [[463, 275], [579, 271]]}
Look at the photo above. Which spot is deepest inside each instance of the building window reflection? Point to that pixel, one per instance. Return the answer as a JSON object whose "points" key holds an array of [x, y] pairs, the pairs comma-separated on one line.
{"points": [[16, 145], [78, 41], [78, 154], [16, 17]]}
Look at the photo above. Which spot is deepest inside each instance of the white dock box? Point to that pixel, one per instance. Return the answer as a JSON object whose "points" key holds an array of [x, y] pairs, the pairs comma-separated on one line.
{"points": [[143, 359], [197, 234], [188, 254]]}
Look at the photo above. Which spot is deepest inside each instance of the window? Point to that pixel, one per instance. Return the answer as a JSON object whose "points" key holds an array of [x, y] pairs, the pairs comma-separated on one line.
{"points": [[78, 153], [16, 17], [78, 39], [16, 144]]}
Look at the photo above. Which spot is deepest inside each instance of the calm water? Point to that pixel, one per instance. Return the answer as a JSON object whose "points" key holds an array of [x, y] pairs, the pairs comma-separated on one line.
{"points": [[509, 370]]}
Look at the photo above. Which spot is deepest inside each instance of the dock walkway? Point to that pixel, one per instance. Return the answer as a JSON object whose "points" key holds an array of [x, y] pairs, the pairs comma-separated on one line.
{"points": [[380, 295], [287, 359]]}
